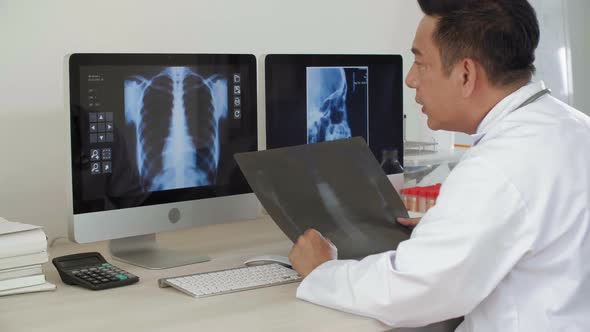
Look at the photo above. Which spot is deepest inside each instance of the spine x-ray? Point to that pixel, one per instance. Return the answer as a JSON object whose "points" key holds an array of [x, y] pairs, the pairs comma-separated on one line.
{"points": [[337, 103], [176, 114]]}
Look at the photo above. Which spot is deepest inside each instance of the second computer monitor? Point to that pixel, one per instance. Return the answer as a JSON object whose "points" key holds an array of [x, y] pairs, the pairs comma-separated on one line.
{"points": [[317, 98]]}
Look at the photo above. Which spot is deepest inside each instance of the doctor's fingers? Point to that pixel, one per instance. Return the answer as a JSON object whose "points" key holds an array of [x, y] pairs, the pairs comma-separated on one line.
{"points": [[312, 237], [409, 221], [312, 232], [330, 242]]}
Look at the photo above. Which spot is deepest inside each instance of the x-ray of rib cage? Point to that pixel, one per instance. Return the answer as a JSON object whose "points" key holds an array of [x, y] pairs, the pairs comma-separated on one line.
{"points": [[176, 115], [327, 111]]}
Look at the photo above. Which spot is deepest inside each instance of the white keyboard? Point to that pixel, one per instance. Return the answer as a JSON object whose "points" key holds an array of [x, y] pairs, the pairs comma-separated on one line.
{"points": [[231, 280]]}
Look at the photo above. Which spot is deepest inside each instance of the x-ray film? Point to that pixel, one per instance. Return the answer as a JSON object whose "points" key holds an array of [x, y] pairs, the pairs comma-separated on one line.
{"points": [[337, 103], [335, 187], [176, 114]]}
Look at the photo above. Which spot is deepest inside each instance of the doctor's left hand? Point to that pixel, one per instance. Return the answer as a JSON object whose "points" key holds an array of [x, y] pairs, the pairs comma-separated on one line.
{"points": [[310, 251]]}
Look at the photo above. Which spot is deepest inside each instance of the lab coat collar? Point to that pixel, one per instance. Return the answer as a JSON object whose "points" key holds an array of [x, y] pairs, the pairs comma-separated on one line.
{"points": [[506, 106]]}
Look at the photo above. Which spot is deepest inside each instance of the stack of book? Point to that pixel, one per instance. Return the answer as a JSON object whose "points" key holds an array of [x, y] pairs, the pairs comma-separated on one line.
{"points": [[23, 250]]}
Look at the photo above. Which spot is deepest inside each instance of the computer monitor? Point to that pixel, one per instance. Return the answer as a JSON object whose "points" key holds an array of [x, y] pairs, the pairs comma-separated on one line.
{"points": [[322, 97], [152, 144]]}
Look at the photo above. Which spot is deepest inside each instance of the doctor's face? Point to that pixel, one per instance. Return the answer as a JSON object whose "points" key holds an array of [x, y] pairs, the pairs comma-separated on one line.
{"points": [[435, 91]]}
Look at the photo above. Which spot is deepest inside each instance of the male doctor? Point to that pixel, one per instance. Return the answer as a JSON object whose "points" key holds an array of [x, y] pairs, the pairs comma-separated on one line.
{"points": [[508, 243]]}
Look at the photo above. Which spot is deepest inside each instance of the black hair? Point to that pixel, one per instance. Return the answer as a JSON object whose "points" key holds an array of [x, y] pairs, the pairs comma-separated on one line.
{"points": [[502, 35]]}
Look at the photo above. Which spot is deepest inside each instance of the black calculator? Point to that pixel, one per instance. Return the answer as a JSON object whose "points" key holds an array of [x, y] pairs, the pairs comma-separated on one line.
{"points": [[90, 270]]}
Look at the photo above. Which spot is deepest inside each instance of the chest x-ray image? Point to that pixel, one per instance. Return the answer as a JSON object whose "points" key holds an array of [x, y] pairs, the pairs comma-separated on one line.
{"points": [[176, 114], [337, 103]]}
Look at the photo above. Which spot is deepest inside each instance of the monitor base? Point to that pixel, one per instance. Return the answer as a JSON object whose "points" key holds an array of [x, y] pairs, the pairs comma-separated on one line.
{"points": [[143, 251]]}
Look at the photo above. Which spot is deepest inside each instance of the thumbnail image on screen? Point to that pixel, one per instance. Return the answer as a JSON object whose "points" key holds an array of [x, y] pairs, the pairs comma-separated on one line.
{"points": [[337, 103], [175, 114]]}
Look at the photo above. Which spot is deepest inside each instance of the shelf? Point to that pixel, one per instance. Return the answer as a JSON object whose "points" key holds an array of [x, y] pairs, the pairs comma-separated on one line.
{"points": [[453, 155]]}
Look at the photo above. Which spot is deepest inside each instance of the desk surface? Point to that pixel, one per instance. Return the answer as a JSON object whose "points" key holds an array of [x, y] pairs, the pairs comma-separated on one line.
{"points": [[146, 307]]}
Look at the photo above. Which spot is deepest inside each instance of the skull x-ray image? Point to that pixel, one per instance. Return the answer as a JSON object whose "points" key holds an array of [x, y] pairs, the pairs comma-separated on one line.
{"points": [[337, 103], [176, 114]]}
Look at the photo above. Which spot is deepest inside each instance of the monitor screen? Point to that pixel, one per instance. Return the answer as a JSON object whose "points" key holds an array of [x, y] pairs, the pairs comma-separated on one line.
{"points": [[149, 129], [317, 98]]}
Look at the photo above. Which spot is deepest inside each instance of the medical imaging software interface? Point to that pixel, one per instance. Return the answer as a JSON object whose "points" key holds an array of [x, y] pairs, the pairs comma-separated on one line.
{"points": [[153, 134], [337, 103], [319, 98]]}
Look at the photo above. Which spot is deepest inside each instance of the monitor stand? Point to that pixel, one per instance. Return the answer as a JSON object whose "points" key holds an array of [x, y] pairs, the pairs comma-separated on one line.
{"points": [[143, 251]]}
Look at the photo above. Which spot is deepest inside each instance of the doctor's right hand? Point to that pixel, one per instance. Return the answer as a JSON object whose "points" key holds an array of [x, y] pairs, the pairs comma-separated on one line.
{"points": [[410, 222], [310, 251]]}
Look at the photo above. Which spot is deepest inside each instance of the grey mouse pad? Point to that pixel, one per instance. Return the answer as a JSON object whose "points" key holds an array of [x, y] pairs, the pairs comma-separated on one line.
{"points": [[335, 187]]}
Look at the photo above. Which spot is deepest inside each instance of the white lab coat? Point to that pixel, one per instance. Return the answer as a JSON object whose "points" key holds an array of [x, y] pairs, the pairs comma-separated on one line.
{"points": [[507, 244]]}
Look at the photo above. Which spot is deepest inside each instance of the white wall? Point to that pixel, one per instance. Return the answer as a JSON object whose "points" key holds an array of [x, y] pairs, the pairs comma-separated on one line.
{"points": [[579, 30], [553, 59], [35, 36]]}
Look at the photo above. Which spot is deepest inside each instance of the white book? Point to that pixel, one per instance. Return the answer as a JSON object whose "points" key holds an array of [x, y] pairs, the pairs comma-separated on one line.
{"points": [[18, 239], [47, 286], [22, 282], [23, 260], [18, 272]]}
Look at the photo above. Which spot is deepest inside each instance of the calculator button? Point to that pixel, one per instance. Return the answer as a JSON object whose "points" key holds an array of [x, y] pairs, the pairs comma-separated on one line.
{"points": [[95, 282], [114, 279], [84, 270], [104, 280], [92, 269], [75, 271], [121, 277]]}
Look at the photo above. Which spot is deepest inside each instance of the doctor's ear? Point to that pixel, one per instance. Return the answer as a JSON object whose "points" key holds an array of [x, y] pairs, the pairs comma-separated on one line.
{"points": [[467, 73]]}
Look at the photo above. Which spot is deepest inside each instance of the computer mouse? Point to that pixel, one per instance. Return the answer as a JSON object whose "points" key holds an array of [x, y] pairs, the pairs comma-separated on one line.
{"points": [[268, 259]]}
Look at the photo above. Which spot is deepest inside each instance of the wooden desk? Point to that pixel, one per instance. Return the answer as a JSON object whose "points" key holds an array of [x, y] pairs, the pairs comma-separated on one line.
{"points": [[146, 307]]}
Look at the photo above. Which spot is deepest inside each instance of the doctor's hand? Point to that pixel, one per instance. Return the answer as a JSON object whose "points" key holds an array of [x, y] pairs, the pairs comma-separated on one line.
{"points": [[310, 251], [410, 222]]}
